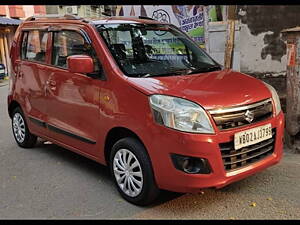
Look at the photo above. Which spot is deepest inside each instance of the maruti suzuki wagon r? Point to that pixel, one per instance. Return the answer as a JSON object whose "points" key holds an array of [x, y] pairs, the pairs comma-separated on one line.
{"points": [[141, 97]]}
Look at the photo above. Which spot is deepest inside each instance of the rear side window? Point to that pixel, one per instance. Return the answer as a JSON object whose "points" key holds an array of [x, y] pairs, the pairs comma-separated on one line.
{"points": [[68, 43], [34, 46]]}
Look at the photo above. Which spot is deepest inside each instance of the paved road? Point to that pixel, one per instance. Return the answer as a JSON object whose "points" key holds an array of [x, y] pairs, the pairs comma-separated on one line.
{"points": [[51, 182]]}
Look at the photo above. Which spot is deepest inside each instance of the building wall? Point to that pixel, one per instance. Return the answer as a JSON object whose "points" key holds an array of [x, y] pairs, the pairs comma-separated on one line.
{"points": [[263, 51], [29, 10], [21, 11], [2, 10], [217, 40], [51, 9], [79, 10]]}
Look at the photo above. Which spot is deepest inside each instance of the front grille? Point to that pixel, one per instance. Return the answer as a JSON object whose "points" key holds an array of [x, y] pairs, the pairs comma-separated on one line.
{"points": [[234, 117], [233, 159]]}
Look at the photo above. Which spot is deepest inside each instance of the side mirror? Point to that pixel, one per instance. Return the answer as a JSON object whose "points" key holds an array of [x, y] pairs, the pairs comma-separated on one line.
{"points": [[80, 64]]}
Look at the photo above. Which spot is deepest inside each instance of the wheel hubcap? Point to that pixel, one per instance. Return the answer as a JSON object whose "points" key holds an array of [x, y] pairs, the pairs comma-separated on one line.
{"points": [[19, 127], [128, 172]]}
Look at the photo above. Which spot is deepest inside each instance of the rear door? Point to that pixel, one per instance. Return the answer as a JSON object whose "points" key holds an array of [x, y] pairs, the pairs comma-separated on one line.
{"points": [[32, 76], [73, 98]]}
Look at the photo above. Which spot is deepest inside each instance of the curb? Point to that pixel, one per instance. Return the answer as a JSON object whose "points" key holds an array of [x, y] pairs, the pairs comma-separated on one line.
{"points": [[3, 83]]}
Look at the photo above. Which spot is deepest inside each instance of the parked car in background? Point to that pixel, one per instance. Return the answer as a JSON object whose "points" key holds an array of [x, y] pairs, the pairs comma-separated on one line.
{"points": [[2, 71], [141, 97]]}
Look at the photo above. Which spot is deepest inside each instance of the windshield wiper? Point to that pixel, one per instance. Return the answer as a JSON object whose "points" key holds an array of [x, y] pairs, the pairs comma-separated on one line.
{"points": [[174, 73], [205, 69], [184, 72]]}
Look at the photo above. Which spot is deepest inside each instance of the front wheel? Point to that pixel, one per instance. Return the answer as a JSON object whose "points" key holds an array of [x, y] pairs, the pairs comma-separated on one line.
{"points": [[132, 171], [20, 130]]}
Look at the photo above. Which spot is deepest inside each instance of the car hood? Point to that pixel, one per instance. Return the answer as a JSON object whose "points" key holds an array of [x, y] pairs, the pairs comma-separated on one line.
{"points": [[211, 90]]}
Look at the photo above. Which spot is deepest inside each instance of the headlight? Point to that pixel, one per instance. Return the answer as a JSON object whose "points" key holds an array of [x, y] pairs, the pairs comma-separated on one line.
{"points": [[275, 97], [180, 114]]}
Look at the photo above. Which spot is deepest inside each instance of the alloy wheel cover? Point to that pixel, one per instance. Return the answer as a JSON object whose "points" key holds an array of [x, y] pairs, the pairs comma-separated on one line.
{"points": [[128, 172], [19, 127]]}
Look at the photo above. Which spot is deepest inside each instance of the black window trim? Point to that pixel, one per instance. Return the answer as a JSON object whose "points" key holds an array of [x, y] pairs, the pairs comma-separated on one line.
{"points": [[22, 41]]}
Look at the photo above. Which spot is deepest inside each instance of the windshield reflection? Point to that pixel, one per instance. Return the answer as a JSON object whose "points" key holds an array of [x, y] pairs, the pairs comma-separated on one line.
{"points": [[147, 50]]}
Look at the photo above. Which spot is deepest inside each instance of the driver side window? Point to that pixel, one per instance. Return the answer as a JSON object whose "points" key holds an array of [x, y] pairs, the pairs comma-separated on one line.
{"points": [[68, 43]]}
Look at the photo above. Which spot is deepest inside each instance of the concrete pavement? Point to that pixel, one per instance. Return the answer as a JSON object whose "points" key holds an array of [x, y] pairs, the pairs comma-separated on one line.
{"points": [[3, 82]]}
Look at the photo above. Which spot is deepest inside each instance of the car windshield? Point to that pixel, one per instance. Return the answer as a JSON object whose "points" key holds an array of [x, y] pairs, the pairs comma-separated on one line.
{"points": [[146, 50]]}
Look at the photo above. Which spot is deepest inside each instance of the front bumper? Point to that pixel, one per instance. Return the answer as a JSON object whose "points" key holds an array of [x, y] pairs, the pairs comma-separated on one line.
{"points": [[204, 146]]}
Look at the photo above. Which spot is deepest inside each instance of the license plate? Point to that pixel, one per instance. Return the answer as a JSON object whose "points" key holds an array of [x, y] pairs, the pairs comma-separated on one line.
{"points": [[2, 71], [252, 136]]}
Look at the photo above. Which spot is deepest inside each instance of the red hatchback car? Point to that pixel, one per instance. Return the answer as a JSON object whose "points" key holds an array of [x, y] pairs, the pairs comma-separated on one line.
{"points": [[142, 97]]}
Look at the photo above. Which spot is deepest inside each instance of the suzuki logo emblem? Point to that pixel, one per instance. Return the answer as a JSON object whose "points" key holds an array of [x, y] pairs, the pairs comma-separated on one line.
{"points": [[249, 116]]}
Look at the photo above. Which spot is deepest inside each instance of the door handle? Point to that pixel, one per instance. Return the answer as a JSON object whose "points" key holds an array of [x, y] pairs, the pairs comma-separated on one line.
{"points": [[51, 84], [20, 75]]}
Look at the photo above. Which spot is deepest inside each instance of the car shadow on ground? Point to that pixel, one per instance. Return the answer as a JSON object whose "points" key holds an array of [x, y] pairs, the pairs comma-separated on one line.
{"points": [[92, 168], [66, 156]]}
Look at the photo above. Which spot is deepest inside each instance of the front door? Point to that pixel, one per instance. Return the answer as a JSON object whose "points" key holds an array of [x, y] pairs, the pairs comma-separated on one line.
{"points": [[73, 98]]}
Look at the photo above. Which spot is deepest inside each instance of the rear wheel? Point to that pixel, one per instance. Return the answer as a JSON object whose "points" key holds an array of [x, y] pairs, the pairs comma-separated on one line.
{"points": [[132, 171], [20, 130]]}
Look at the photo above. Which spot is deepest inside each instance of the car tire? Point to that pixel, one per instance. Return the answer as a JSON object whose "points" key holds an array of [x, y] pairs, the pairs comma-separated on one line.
{"points": [[21, 133], [139, 178]]}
